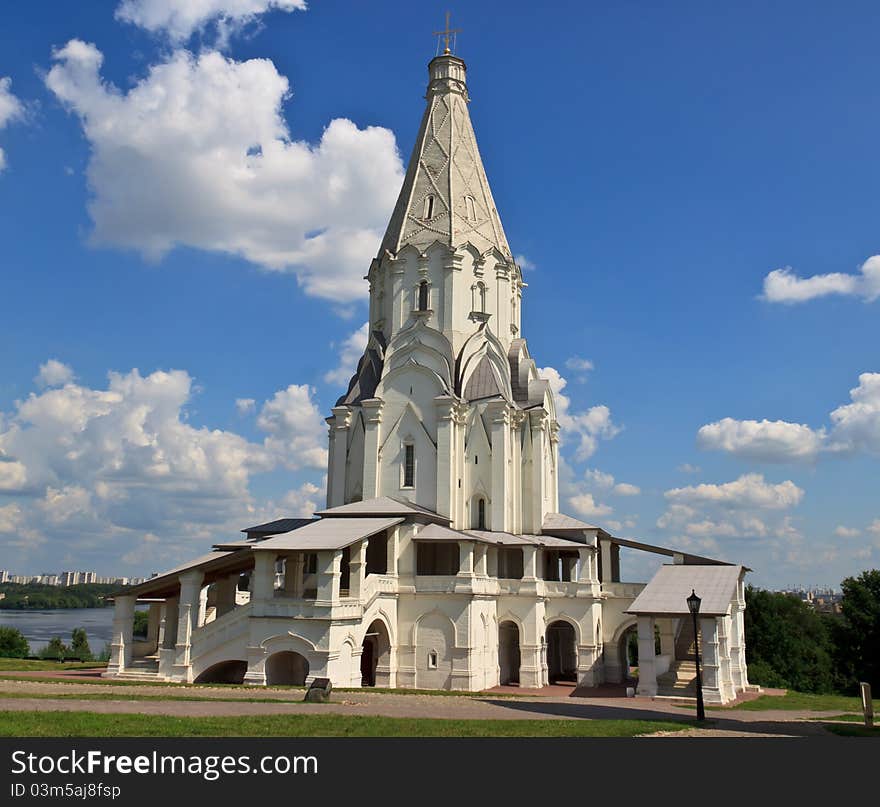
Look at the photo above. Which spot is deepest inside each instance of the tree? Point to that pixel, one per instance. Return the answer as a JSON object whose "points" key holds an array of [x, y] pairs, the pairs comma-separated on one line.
{"points": [[79, 645], [858, 634], [12, 643], [787, 643], [56, 649]]}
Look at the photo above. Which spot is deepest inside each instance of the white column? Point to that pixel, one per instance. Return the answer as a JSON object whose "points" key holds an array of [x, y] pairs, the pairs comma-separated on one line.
{"points": [[445, 406], [537, 420], [466, 558], [372, 409], [500, 423], [187, 616], [262, 586], [339, 426], [515, 490], [585, 567], [123, 629], [481, 567], [357, 569], [711, 661], [647, 671], [224, 590], [203, 607], [607, 565], [393, 548], [329, 564], [154, 622], [293, 575], [553, 482]]}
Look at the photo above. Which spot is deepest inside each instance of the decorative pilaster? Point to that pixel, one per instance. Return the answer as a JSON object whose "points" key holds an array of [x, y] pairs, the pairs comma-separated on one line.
{"points": [[499, 415], [339, 427], [446, 406], [372, 409], [537, 422]]}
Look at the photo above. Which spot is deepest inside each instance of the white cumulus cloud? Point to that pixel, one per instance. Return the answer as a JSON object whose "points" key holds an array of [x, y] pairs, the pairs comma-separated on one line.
{"points": [[587, 427], [180, 19], [198, 153], [11, 109], [350, 351], [784, 286], [747, 507], [855, 428], [54, 374], [296, 430], [771, 441]]}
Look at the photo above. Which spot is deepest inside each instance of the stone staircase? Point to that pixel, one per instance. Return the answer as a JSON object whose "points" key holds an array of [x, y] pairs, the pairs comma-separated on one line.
{"points": [[142, 669], [681, 678], [679, 681]]}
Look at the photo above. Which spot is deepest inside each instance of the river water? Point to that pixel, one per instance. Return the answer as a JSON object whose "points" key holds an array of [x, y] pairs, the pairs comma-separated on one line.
{"points": [[39, 627]]}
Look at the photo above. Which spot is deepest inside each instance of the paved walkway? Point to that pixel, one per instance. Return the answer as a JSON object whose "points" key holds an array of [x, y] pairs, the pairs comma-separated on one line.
{"points": [[738, 723]]}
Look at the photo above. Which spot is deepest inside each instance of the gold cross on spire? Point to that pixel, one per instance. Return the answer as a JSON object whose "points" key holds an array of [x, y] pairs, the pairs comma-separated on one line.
{"points": [[446, 34]]}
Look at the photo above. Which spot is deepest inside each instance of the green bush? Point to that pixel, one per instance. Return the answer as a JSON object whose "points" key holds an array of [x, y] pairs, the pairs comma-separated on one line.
{"points": [[12, 643], [55, 650], [79, 645], [141, 623]]}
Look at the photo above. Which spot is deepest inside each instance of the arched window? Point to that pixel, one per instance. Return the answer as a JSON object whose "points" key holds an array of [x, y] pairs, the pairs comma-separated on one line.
{"points": [[409, 465], [423, 295], [428, 212], [470, 208], [478, 297]]}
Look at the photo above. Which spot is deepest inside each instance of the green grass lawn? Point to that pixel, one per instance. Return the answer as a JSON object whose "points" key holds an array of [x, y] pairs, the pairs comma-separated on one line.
{"points": [[90, 724], [24, 665], [802, 701]]}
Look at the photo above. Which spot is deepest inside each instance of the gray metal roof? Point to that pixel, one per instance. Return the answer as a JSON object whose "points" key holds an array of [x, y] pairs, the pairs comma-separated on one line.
{"points": [[509, 539], [327, 533], [382, 506], [278, 526], [667, 592], [560, 521], [161, 581]]}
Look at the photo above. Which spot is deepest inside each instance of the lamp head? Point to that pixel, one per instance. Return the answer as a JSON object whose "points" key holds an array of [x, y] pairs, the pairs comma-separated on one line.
{"points": [[694, 602]]}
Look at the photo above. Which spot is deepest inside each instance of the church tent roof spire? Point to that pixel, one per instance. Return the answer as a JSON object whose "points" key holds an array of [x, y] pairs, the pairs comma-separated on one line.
{"points": [[445, 196]]}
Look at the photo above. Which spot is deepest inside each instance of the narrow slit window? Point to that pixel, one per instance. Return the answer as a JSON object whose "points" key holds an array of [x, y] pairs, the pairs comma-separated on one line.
{"points": [[470, 208], [429, 208], [409, 465], [423, 295], [481, 514]]}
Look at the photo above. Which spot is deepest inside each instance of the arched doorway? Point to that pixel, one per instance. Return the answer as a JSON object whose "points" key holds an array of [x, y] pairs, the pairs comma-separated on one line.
{"points": [[226, 672], [508, 652], [376, 656], [561, 652], [628, 653], [286, 667]]}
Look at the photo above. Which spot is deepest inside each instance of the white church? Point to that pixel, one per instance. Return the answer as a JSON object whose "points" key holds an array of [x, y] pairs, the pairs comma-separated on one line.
{"points": [[442, 560]]}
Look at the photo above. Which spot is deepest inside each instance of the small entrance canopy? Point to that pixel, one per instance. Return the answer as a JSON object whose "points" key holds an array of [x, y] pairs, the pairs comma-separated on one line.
{"points": [[667, 593]]}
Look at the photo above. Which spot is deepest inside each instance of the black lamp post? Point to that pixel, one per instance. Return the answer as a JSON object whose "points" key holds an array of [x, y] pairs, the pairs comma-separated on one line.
{"points": [[694, 607]]}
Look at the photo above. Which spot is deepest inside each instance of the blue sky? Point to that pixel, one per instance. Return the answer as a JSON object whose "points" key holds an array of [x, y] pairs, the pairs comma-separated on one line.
{"points": [[189, 205]]}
